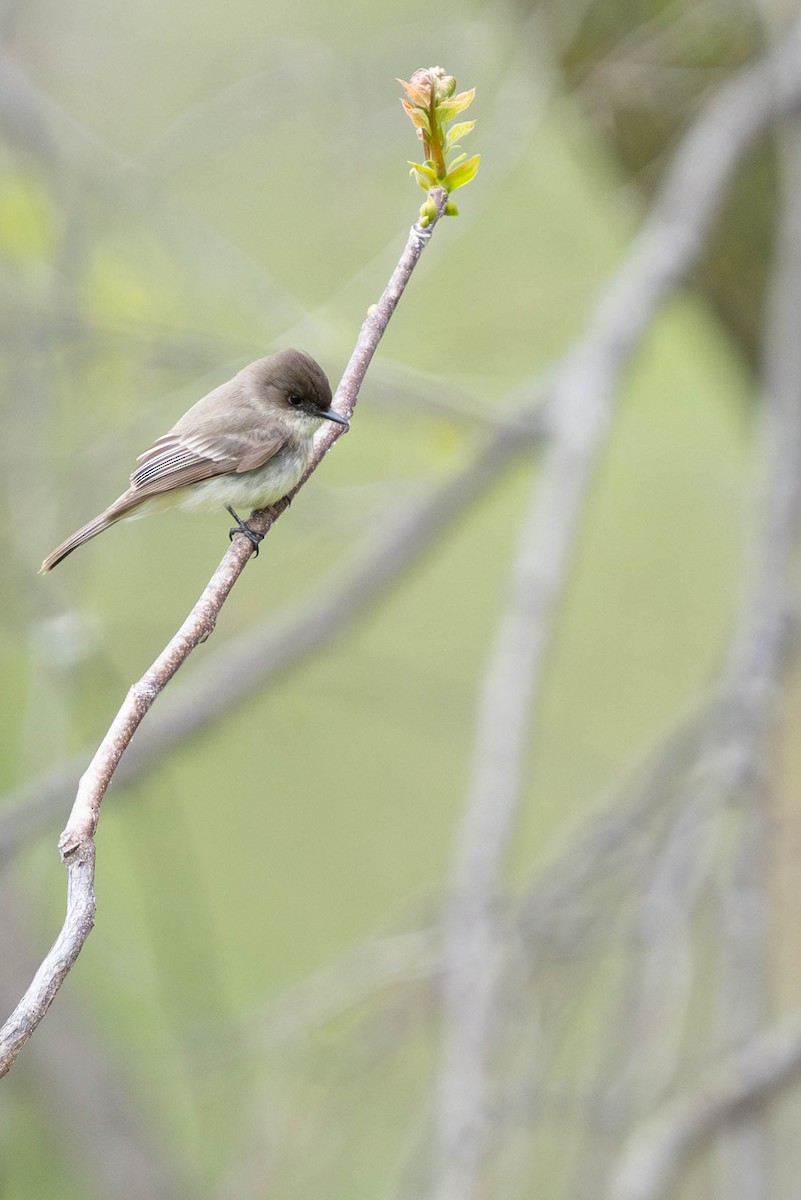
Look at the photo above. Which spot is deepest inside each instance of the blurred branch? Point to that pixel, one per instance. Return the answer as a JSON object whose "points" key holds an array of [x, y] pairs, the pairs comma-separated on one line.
{"points": [[352, 979], [76, 842], [731, 773], [77, 1088], [581, 397], [615, 844], [555, 911], [747, 1077], [743, 1156], [65, 151], [759, 661], [551, 920]]}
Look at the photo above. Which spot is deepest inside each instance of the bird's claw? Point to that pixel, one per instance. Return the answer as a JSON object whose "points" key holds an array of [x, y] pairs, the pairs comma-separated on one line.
{"points": [[253, 536]]}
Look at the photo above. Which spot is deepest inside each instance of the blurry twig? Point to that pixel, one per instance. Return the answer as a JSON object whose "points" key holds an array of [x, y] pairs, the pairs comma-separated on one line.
{"points": [[65, 151], [613, 846], [731, 771], [582, 398], [759, 661], [552, 918], [746, 1077], [350, 980], [76, 843], [76, 1087], [555, 912]]}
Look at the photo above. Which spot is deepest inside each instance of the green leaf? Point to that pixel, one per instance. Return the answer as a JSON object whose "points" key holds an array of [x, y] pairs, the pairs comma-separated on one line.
{"points": [[457, 132], [448, 109], [431, 106], [417, 118], [462, 175], [423, 171]]}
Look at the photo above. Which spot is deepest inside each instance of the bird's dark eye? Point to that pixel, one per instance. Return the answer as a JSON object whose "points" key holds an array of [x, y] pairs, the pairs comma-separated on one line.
{"points": [[295, 400]]}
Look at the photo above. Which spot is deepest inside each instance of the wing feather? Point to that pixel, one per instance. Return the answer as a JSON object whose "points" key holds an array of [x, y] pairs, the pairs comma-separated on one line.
{"points": [[176, 460]]}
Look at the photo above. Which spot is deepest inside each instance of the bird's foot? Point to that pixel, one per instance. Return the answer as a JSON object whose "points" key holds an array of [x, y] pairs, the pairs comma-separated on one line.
{"points": [[253, 536]]}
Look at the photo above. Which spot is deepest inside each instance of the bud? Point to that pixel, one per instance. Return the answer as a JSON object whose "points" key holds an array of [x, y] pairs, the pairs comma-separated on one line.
{"points": [[431, 104]]}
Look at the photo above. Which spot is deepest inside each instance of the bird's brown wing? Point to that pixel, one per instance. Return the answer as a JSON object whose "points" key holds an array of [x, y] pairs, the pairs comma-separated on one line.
{"points": [[175, 460]]}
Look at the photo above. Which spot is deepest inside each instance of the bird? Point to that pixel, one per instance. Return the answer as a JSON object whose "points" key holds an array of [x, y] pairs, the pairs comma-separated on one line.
{"points": [[246, 443]]}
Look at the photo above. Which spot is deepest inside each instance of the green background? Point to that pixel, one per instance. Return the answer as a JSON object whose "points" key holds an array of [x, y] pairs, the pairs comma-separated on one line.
{"points": [[202, 185]]}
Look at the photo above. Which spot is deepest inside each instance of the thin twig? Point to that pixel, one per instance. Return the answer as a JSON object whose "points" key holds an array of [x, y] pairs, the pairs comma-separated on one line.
{"points": [[748, 1076], [76, 842], [582, 400], [371, 967], [613, 845]]}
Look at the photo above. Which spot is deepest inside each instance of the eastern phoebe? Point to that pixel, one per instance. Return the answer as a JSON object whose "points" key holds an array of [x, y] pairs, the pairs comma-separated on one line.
{"points": [[246, 444]]}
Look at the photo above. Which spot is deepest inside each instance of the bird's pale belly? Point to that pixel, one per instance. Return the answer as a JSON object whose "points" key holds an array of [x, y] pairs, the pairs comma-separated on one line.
{"points": [[250, 489]]}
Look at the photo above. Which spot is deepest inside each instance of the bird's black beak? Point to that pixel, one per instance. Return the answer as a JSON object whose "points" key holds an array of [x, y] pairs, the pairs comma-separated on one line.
{"points": [[328, 414]]}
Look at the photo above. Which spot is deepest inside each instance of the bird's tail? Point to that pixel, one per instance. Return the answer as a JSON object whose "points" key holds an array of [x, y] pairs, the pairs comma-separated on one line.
{"points": [[115, 512]]}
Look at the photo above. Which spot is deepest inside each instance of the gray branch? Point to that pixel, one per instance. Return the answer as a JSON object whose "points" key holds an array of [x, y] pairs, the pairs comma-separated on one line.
{"points": [[757, 667], [731, 1087], [732, 769], [581, 402]]}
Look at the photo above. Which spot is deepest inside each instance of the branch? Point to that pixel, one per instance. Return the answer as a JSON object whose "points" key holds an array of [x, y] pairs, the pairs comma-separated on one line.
{"points": [[76, 842], [582, 398], [730, 775], [59, 960], [748, 1077], [613, 846], [373, 966], [758, 662]]}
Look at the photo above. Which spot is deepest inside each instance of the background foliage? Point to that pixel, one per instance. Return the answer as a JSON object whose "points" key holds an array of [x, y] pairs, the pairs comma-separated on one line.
{"points": [[183, 189]]}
